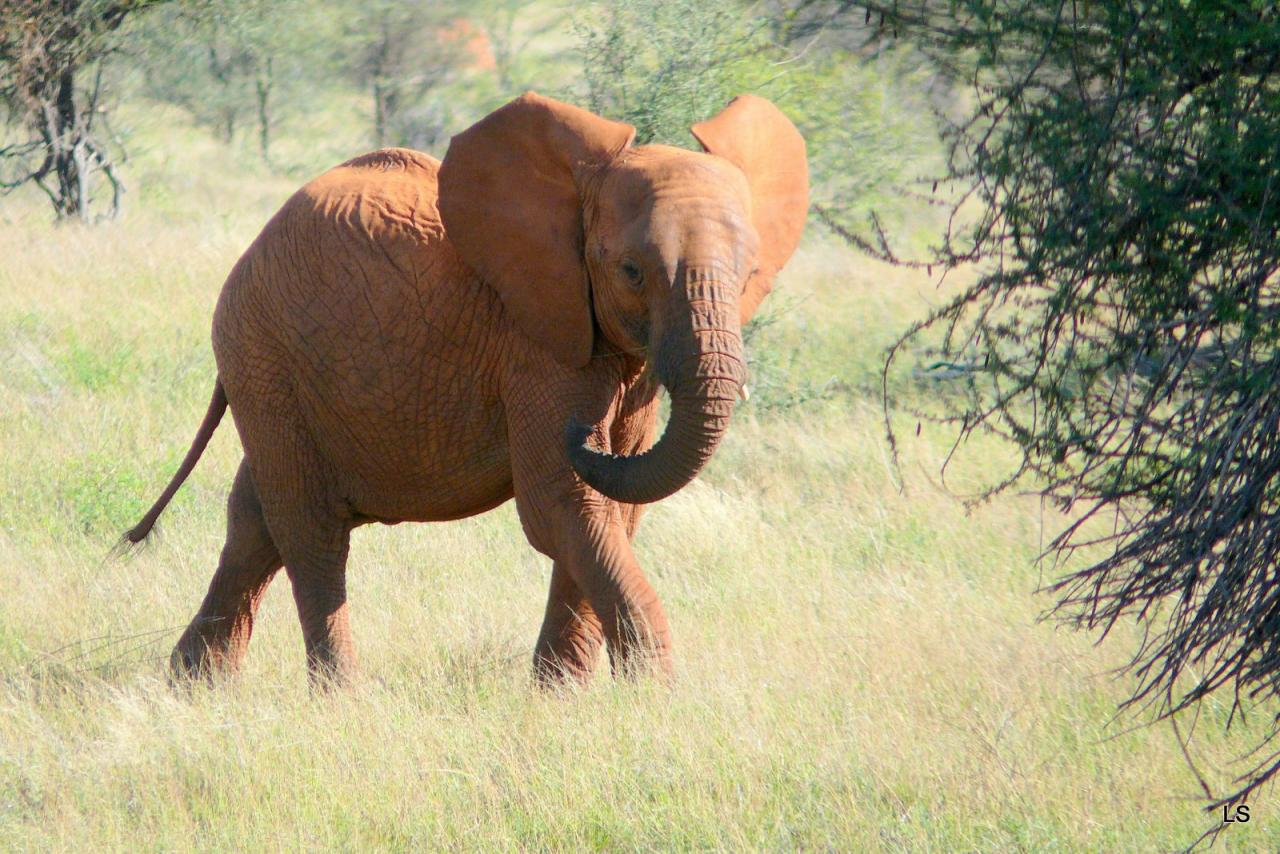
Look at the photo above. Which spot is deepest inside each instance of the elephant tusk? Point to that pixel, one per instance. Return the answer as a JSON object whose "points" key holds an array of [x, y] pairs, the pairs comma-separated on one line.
{"points": [[743, 394]]}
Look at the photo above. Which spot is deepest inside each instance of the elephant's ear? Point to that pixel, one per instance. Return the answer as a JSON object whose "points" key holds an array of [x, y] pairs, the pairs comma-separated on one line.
{"points": [[755, 136], [511, 204]]}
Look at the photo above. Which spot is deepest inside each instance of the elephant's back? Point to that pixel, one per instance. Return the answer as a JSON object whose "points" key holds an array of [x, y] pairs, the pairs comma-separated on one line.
{"points": [[389, 195], [351, 253], [354, 310], [365, 228]]}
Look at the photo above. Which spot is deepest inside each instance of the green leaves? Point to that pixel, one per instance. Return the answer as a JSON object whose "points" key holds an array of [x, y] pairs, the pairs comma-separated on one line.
{"points": [[662, 66]]}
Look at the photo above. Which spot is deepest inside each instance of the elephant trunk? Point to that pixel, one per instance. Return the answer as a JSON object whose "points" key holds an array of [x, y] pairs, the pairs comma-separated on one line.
{"points": [[700, 361]]}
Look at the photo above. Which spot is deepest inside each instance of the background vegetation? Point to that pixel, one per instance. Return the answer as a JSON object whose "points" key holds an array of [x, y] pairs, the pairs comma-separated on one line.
{"points": [[861, 667]]}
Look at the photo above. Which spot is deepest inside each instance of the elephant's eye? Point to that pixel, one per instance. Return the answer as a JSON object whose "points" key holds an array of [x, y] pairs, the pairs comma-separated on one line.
{"points": [[630, 269]]}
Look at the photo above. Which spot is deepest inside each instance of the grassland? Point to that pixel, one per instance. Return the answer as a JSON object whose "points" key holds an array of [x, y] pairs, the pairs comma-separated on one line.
{"points": [[860, 668]]}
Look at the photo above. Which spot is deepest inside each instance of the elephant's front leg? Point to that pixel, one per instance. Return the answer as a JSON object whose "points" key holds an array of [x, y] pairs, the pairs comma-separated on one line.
{"points": [[571, 635], [586, 535], [597, 555], [598, 589]]}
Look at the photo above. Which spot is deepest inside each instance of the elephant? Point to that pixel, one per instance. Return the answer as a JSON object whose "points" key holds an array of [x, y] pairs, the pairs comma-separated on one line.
{"points": [[411, 339]]}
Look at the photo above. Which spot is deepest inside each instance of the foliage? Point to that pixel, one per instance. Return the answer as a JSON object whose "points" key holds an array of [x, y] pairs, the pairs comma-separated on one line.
{"points": [[868, 129], [231, 63], [1122, 330], [776, 379], [512, 33], [401, 53], [662, 66], [51, 58], [868, 108]]}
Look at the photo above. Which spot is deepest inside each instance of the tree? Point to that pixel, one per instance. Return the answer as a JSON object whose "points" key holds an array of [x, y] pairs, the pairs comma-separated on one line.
{"points": [[401, 52], [51, 58], [1123, 329], [662, 66], [238, 64], [506, 42]]}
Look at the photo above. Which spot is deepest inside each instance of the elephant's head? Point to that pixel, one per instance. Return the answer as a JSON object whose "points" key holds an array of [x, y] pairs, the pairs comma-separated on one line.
{"points": [[657, 250]]}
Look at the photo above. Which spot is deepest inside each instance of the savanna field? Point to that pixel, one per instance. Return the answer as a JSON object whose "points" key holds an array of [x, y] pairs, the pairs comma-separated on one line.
{"points": [[861, 663]]}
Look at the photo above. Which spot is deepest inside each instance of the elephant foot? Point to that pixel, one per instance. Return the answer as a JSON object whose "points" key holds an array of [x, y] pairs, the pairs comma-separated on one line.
{"points": [[332, 673], [640, 662], [554, 673], [640, 644], [207, 649]]}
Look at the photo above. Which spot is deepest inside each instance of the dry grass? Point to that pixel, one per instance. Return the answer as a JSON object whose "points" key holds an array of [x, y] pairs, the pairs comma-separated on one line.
{"points": [[859, 669]]}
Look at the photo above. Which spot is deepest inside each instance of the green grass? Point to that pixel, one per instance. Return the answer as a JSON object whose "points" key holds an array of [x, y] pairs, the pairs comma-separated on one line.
{"points": [[859, 668]]}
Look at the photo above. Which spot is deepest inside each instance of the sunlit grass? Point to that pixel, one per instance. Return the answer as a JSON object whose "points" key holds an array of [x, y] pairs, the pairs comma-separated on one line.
{"points": [[859, 667]]}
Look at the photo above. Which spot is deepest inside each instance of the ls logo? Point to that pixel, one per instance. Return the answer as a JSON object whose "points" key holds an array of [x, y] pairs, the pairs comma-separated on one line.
{"points": [[1240, 814]]}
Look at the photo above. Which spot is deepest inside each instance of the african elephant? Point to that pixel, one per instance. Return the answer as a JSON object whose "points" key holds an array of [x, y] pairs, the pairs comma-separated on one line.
{"points": [[416, 340]]}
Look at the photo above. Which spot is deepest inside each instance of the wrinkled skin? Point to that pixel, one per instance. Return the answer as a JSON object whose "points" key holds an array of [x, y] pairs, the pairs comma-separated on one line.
{"points": [[411, 342]]}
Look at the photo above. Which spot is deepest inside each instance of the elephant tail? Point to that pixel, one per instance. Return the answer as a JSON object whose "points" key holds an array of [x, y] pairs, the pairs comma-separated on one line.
{"points": [[217, 406]]}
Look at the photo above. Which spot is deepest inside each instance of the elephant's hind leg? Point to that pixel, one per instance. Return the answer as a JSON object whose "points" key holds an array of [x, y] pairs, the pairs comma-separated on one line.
{"points": [[309, 519], [571, 637], [317, 566], [218, 637]]}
